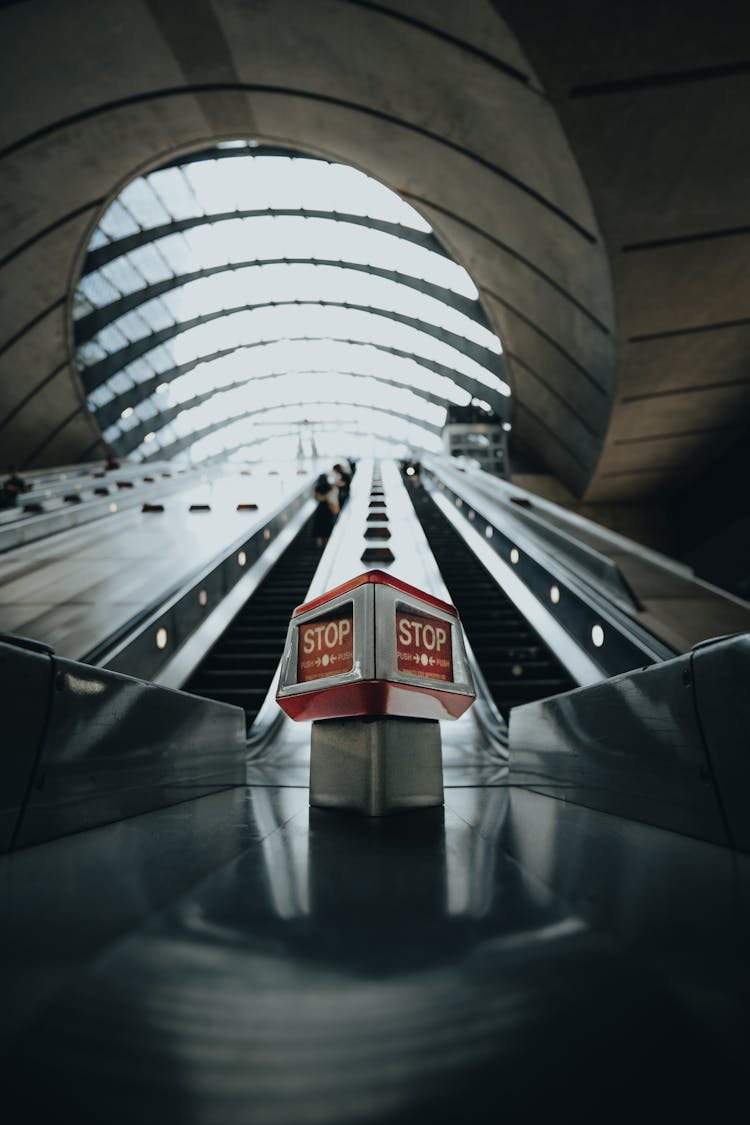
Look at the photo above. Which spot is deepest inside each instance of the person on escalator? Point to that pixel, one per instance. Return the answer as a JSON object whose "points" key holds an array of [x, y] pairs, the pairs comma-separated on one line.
{"points": [[327, 496], [343, 481], [12, 488]]}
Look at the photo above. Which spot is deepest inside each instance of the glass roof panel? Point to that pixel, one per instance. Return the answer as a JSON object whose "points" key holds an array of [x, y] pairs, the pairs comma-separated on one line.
{"points": [[111, 339], [97, 289], [122, 274], [212, 186], [150, 263], [81, 305], [176, 193], [310, 417], [246, 365], [255, 285], [133, 326], [302, 322], [292, 237], [304, 345], [98, 238], [156, 314], [144, 204], [176, 251], [117, 222], [139, 370], [100, 397]]}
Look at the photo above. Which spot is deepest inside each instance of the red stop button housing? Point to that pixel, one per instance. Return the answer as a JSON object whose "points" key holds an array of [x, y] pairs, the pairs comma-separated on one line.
{"points": [[375, 646]]}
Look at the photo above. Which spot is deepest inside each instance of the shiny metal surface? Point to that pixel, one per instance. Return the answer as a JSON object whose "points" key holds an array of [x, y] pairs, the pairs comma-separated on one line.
{"points": [[63, 903], [528, 570], [721, 674], [183, 663], [578, 662], [511, 956], [25, 676], [76, 588], [373, 606], [631, 746], [89, 746], [362, 603], [138, 484], [414, 564], [490, 496], [183, 612], [376, 766], [671, 602], [508, 956], [388, 602]]}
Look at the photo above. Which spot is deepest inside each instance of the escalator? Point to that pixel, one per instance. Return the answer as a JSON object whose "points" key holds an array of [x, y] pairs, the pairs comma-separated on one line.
{"points": [[516, 663], [245, 957], [239, 668]]}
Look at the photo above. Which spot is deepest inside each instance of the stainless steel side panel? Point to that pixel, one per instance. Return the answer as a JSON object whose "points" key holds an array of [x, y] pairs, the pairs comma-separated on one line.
{"points": [[25, 683], [630, 746], [116, 746], [721, 671]]}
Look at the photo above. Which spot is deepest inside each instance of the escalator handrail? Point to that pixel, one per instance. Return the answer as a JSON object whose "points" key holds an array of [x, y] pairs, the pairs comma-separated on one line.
{"points": [[166, 599], [610, 611], [270, 717]]}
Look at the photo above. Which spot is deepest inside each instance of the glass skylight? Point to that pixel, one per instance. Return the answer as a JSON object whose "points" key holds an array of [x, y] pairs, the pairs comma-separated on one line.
{"points": [[249, 279]]}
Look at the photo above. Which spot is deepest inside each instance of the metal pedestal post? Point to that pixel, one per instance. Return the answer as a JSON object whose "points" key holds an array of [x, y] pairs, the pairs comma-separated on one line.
{"points": [[376, 765]]}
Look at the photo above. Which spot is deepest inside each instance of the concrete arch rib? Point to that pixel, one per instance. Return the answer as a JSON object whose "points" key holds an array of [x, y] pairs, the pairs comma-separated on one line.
{"points": [[111, 411], [343, 105], [99, 372], [180, 444], [542, 200], [132, 438], [89, 325]]}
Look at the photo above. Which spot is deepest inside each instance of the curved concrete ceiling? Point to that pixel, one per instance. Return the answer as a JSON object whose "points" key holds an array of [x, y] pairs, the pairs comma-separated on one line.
{"points": [[586, 166]]}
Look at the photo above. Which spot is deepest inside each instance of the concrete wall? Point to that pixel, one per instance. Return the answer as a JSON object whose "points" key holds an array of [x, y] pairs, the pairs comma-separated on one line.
{"points": [[587, 164]]}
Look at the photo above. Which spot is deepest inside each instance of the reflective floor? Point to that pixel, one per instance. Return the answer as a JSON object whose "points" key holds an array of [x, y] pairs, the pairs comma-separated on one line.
{"points": [[242, 958]]}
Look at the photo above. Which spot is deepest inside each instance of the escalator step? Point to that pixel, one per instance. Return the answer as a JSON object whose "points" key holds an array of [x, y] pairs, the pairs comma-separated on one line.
{"points": [[516, 664], [239, 668]]}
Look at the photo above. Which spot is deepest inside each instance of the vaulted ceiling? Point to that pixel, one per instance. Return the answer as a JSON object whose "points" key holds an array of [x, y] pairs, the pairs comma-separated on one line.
{"points": [[244, 278], [586, 163]]}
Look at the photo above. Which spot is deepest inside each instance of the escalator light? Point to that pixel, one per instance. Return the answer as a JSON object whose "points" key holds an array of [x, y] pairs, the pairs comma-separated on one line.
{"points": [[488, 532], [471, 515], [161, 638], [266, 533], [242, 558], [203, 597], [113, 508], [514, 556], [459, 503], [597, 636], [554, 594]]}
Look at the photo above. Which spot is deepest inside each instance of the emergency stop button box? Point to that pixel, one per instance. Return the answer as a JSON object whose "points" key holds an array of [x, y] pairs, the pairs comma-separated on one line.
{"points": [[375, 646]]}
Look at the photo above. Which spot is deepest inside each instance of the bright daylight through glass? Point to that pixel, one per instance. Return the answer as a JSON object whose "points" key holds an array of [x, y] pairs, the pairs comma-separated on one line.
{"points": [[256, 305]]}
